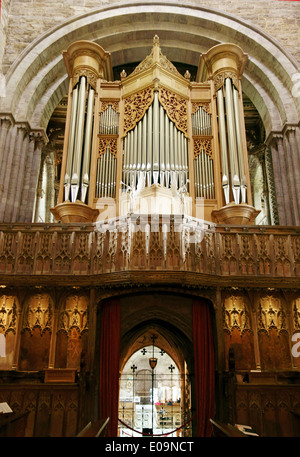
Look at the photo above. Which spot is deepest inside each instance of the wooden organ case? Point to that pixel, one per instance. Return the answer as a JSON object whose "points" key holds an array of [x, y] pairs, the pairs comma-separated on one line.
{"points": [[155, 141]]}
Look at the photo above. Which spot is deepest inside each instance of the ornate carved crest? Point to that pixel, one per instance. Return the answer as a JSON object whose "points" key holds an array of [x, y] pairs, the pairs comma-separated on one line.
{"points": [[156, 56], [176, 108], [113, 103], [202, 144], [90, 75], [135, 107], [206, 106], [219, 79], [108, 142]]}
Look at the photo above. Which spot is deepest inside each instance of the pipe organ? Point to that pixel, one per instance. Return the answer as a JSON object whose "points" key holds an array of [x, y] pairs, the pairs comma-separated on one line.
{"points": [[154, 134], [156, 148]]}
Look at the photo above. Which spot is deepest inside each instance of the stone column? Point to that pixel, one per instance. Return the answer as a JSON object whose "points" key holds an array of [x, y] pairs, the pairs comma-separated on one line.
{"points": [[6, 167], [271, 187], [280, 192], [13, 176], [5, 123], [50, 190], [27, 177], [294, 149], [292, 179], [39, 141]]}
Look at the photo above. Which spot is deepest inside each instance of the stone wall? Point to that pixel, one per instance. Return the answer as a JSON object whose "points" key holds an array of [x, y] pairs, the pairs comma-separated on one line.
{"points": [[28, 19]]}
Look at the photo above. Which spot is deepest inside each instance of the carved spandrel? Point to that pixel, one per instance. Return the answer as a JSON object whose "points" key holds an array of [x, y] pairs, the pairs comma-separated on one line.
{"points": [[135, 107], [176, 108], [202, 145], [109, 142]]}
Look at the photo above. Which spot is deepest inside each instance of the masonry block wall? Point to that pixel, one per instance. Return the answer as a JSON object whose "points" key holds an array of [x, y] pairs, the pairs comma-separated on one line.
{"points": [[23, 21]]}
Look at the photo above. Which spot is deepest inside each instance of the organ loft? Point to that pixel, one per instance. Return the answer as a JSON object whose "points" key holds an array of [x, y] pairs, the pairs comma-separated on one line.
{"points": [[155, 137]]}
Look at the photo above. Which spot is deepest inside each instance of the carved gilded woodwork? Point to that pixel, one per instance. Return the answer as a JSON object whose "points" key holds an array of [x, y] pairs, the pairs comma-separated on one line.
{"points": [[90, 75], [135, 107], [206, 106], [108, 141], [271, 315], [176, 108], [156, 56], [74, 315], [219, 79], [62, 251], [296, 314], [202, 145], [236, 315], [8, 314], [39, 314], [115, 104]]}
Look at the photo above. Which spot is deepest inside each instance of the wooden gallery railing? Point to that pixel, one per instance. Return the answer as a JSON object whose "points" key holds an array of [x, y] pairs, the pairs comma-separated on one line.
{"points": [[174, 246]]}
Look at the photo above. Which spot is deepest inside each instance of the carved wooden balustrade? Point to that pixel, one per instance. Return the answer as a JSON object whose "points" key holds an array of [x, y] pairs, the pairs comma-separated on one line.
{"points": [[170, 248]]}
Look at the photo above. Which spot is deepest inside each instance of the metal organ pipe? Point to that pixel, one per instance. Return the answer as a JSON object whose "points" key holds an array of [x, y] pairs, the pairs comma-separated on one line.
{"points": [[162, 143], [149, 146], [167, 153], [238, 128], [67, 181], [235, 178], [203, 163], [106, 163], [223, 145], [85, 179], [144, 142], [155, 153], [158, 146], [78, 140]]}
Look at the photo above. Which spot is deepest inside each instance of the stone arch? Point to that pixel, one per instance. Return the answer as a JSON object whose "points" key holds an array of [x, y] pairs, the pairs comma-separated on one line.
{"points": [[37, 80]]}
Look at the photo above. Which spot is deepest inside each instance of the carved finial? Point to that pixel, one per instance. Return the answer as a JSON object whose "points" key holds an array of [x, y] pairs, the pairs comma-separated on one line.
{"points": [[156, 40], [123, 74], [187, 74]]}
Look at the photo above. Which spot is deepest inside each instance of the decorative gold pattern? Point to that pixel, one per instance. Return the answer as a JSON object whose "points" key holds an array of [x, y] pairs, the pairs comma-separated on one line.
{"points": [[135, 107], [271, 315], [74, 315], [90, 75], [206, 106], [8, 314], [176, 108], [296, 314], [202, 144], [108, 141], [156, 57], [113, 103], [219, 79], [235, 315], [39, 314]]}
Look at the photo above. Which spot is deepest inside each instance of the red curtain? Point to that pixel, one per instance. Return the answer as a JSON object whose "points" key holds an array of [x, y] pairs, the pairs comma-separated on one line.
{"points": [[109, 364], [204, 367]]}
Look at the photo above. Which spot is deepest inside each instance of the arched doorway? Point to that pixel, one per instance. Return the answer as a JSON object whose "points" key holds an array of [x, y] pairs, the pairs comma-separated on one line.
{"points": [[154, 393], [184, 326]]}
